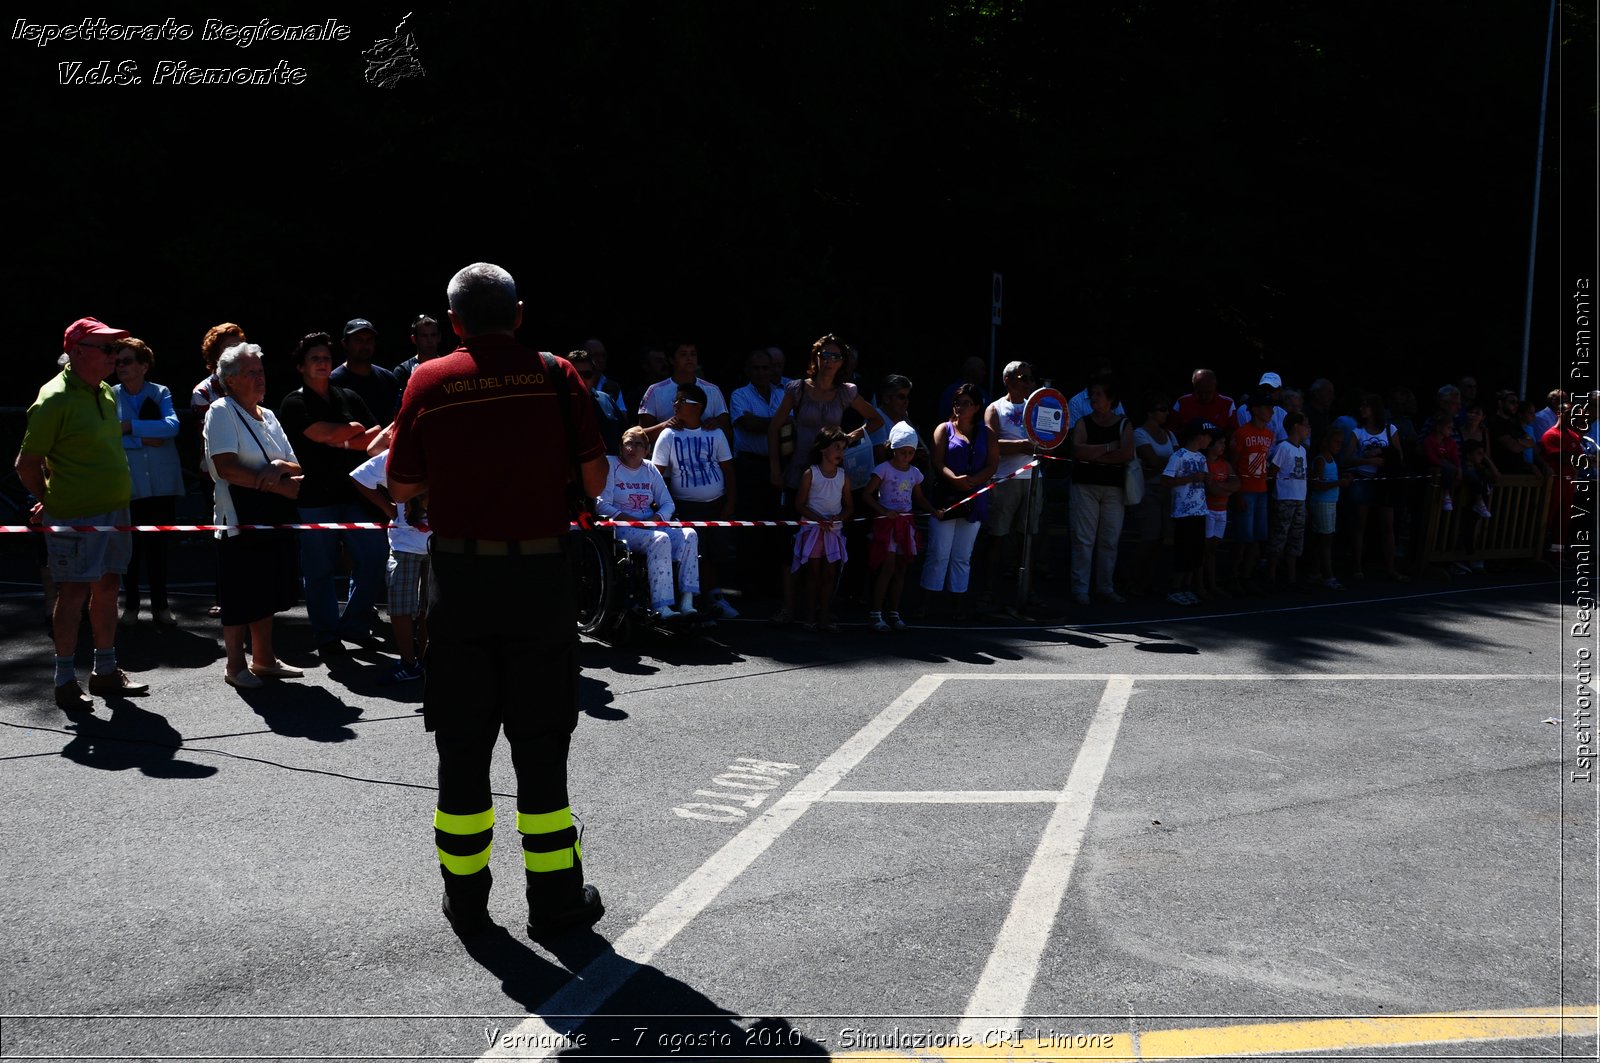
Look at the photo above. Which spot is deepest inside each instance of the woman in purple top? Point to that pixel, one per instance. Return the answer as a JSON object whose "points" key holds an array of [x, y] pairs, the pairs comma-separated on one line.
{"points": [[964, 459]]}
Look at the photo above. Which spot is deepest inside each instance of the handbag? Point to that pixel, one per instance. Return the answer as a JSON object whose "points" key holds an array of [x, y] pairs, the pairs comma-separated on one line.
{"points": [[1133, 483], [253, 506]]}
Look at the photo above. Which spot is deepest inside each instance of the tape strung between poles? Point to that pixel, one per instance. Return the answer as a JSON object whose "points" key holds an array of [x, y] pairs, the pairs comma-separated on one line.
{"points": [[49, 529]]}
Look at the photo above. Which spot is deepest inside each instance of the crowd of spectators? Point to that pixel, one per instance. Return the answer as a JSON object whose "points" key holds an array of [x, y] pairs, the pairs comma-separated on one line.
{"points": [[1217, 498]]}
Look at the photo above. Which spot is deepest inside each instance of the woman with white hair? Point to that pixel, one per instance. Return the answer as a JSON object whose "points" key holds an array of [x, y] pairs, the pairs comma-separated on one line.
{"points": [[258, 478]]}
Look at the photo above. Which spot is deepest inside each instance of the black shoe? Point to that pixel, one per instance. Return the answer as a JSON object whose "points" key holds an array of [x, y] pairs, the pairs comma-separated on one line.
{"points": [[71, 698], [552, 924], [332, 648], [466, 919]]}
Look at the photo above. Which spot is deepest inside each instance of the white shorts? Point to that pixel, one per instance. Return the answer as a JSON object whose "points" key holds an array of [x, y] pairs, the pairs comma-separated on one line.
{"points": [[1216, 523]]}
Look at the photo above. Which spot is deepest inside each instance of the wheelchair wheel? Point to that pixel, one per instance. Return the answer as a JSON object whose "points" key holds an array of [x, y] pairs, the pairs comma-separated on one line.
{"points": [[595, 583]]}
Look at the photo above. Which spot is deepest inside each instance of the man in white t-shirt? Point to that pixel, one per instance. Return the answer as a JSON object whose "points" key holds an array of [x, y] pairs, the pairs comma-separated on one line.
{"points": [[1008, 506], [656, 405], [698, 467], [408, 567]]}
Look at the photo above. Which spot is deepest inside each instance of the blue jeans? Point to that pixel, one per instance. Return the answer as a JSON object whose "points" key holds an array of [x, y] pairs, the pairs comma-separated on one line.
{"points": [[319, 562]]}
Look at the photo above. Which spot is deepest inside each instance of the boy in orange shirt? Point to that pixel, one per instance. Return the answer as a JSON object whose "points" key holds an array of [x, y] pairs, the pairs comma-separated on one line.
{"points": [[1252, 444]]}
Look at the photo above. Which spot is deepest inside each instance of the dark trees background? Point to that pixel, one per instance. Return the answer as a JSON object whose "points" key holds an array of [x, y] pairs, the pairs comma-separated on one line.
{"points": [[1319, 188]]}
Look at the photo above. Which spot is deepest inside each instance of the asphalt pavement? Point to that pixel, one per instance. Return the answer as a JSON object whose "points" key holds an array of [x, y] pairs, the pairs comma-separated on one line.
{"points": [[1335, 825]]}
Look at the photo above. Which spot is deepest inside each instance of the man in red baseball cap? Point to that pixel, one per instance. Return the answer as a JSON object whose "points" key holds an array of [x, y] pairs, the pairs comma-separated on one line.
{"points": [[72, 462]]}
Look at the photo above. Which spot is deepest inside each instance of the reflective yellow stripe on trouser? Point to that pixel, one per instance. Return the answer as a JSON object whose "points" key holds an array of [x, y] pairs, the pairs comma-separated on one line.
{"points": [[533, 824], [464, 827]]}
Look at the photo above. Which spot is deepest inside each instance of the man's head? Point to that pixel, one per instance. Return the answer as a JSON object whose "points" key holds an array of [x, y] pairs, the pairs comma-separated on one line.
{"points": [[90, 346], [1448, 400], [483, 301], [685, 363], [1469, 389], [425, 337], [1320, 394], [974, 370], [1018, 378], [653, 364], [689, 405], [1204, 382], [1556, 399], [894, 397], [583, 362], [360, 342], [776, 354], [597, 353], [758, 367]]}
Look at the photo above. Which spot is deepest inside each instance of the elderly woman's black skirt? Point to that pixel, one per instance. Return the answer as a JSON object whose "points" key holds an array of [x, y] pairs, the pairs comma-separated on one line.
{"points": [[258, 575]]}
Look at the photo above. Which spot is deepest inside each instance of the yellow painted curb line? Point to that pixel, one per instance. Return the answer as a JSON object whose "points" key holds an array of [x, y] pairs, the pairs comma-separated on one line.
{"points": [[1314, 1035]]}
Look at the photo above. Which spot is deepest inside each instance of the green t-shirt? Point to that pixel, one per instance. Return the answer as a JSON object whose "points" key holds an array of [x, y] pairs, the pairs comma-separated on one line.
{"points": [[75, 427]]}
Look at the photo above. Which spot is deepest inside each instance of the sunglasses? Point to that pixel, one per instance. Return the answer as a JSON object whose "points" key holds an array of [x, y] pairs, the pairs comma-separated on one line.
{"points": [[831, 356]]}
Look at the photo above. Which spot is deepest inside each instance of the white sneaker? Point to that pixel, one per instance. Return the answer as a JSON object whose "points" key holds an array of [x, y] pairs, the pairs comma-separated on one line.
{"points": [[666, 612], [686, 603], [877, 621], [1482, 510], [1449, 506], [243, 680]]}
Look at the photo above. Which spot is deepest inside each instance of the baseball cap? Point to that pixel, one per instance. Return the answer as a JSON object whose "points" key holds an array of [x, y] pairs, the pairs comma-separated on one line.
{"points": [[85, 327], [1272, 380], [357, 324], [1198, 426]]}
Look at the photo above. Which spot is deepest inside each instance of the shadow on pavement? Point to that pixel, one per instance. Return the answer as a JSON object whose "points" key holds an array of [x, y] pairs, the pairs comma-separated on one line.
{"points": [[651, 1015], [300, 710], [133, 738]]}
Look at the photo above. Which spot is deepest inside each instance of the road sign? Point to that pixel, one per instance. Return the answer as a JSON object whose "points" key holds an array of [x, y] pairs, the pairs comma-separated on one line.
{"points": [[1044, 418]]}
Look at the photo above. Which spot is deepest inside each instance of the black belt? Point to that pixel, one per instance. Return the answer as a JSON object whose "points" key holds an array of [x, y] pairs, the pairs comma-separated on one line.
{"points": [[496, 547]]}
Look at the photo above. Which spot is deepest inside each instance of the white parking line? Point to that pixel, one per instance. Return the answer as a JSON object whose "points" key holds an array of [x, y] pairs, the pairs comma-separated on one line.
{"points": [[1002, 992], [940, 797], [571, 1005]]}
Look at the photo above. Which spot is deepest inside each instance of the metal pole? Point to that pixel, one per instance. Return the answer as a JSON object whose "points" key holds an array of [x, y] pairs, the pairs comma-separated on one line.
{"points": [[1025, 570], [1538, 180]]}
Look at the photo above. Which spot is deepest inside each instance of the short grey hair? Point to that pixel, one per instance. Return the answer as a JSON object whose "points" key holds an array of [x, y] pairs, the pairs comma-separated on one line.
{"points": [[228, 363], [484, 299], [1449, 391], [1012, 369]]}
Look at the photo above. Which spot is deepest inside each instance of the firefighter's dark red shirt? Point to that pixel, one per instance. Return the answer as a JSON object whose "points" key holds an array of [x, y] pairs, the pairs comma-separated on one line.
{"points": [[483, 429]]}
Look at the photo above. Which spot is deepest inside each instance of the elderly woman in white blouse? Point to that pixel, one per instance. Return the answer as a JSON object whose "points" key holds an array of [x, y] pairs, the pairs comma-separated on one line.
{"points": [[258, 478]]}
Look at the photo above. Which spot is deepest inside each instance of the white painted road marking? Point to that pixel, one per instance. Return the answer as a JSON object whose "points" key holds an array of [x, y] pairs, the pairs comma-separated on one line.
{"points": [[1008, 977], [574, 1002], [1002, 992]]}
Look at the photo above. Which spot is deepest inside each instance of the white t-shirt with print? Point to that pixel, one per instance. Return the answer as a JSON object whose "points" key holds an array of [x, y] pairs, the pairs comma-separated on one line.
{"points": [[1289, 466], [1188, 500], [689, 459]]}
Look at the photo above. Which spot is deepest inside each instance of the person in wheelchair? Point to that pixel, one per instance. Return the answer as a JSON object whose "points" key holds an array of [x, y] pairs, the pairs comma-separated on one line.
{"points": [[636, 491]]}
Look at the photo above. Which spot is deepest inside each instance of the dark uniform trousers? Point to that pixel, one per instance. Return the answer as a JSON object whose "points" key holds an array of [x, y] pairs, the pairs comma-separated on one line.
{"points": [[503, 653]]}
